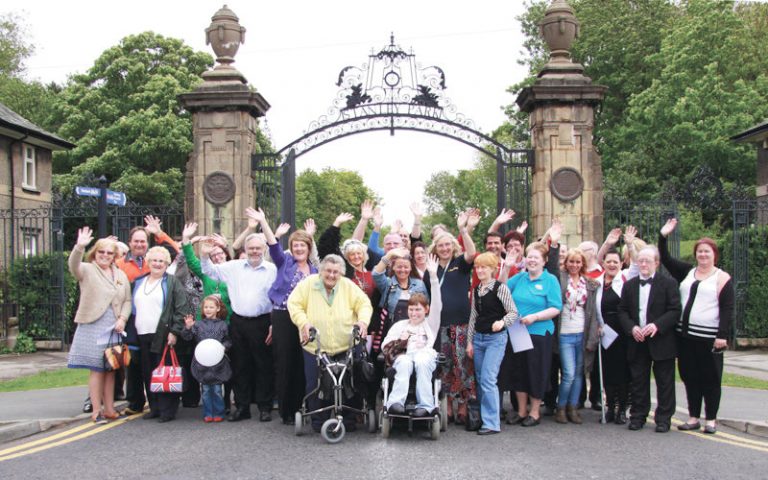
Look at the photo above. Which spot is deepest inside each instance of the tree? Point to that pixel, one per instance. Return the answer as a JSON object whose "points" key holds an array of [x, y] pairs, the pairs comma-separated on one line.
{"points": [[322, 196], [14, 45], [125, 118]]}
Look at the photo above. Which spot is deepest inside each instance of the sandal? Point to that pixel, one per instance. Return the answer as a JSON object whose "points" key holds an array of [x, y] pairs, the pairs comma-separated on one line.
{"points": [[99, 419], [113, 416]]}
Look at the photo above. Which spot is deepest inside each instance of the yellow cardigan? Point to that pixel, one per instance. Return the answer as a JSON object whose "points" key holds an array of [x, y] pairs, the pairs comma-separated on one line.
{"points": [[97, 291], [307, 305]]}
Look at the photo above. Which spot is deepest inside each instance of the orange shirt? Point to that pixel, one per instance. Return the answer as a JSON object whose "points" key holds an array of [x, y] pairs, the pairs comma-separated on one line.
{"points": [[128, 264]]}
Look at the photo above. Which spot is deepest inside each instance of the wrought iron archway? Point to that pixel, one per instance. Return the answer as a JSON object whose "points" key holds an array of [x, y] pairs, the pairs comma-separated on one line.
{"points": [[391, 92]]}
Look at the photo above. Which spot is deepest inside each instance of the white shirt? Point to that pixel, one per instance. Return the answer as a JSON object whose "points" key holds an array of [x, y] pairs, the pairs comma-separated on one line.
{"points": [[645, 291], [149, 305], [248, 286]]}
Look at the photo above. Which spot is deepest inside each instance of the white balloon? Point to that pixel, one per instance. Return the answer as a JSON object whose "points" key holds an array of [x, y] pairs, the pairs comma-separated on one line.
{"points": [[209, 352]]}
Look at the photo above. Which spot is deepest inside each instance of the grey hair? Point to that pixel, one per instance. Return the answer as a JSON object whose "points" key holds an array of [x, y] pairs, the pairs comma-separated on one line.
{"points": [[653, 249], [259, 236], [334, 259]]}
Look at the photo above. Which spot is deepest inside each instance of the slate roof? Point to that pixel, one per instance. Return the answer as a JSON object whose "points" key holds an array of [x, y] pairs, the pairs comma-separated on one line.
{"points": [[13, 121]]}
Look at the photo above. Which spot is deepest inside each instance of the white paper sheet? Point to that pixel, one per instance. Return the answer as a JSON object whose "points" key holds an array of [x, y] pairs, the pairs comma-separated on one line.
{"points": [[609, 336], [519, 337]]}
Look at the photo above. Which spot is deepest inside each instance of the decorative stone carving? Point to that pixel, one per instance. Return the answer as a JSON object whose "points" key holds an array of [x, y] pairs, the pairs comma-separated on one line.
{"points": [[219, 188]]}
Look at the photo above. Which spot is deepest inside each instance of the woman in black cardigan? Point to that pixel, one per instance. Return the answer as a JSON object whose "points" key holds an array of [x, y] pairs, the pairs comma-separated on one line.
{"points": [[707, 299]]}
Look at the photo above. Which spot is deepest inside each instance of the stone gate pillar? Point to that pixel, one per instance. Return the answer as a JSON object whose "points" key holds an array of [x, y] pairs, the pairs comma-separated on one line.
{"points": [[224, 110], [567, 177]]}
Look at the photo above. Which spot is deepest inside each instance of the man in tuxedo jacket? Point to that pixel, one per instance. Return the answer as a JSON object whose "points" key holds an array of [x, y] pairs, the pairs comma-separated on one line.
{"points": [[648, 312]]}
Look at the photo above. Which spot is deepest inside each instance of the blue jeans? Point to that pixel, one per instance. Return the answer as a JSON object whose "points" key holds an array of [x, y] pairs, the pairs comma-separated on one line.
{"points": [[572, 363], [424, 362], [213, 400], [489, 352]]}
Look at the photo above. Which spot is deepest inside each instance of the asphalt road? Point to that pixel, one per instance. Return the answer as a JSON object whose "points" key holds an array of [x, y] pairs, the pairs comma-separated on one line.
{"points": [[190, 449]]}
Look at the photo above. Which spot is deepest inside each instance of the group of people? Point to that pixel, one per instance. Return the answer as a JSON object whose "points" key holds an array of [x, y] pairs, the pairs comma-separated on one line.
{"points": [[413, 303]]}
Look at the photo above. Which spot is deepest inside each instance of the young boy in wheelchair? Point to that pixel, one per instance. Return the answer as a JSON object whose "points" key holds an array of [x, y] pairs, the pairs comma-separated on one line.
{"points": [[408, 347]]}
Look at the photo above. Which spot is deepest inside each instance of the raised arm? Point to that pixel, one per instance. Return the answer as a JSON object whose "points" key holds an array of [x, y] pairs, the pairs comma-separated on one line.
{"points": [[463, 221], [84, 237], [366, 214], [553, 258], [435, 296], [610, 241], [417, 214], [153, 224], [677, 268], [504, 217]]}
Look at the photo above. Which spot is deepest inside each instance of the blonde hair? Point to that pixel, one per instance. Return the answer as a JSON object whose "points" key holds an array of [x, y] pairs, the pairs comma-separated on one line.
{"points": [[439, 238], [540, 247], [487, 259], [577, 252], [161, 253], [102, 244]]}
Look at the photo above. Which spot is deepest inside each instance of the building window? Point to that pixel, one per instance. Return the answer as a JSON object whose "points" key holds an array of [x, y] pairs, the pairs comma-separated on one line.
{"points": [[29, 177], [30, 243]]}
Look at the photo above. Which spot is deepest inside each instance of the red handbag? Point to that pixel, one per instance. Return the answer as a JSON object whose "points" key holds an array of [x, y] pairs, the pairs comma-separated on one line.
{"points": [[167, 378]]}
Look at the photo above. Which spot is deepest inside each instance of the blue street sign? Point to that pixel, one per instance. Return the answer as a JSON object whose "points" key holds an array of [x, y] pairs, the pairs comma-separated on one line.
{"points": [[113, 198], [116, 198], [87, 191]]}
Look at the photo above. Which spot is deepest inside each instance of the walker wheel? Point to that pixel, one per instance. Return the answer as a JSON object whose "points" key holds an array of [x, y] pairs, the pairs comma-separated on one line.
{"points": [[436, 425], [444, 413], [332, 430], [298, 426], [386, 425], [372, 424]]}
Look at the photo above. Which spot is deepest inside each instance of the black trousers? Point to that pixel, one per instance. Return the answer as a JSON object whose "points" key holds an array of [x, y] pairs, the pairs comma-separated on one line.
{"points": [[702, 373], [550, 398], [134, 383], [289, 363], [664, 372], [252, 370], [163, 404], [190, 398]]}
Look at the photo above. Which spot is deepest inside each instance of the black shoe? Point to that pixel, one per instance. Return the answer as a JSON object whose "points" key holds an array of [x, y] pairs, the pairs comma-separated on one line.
{"points": [[597, 406], [119, 396], [487, 431], [238, 415], [265, 416], [633, 425], [87, 406], [165, 419], [548, 411], [190, 405], [662, 428], [289, 421], [419, 412], [132, 411], [514, 419], [610, 416], [530, 421], [689, 426], [621, 418], [150, 415], [396, 408], [710, 429]]}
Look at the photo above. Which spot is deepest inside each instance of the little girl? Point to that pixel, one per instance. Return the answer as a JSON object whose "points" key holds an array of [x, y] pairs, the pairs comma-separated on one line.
{"points": [[411, 340], [211, 325]]}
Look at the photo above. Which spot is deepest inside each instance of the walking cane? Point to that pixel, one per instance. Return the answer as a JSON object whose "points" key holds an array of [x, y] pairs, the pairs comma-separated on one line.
{"points": [[600, 371]]}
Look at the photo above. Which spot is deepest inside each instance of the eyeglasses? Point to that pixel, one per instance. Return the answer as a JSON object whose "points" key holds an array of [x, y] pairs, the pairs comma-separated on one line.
{"points": [[105, 252]]}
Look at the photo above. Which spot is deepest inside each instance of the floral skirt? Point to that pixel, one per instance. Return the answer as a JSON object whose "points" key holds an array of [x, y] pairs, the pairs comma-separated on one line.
{"points": [[458, 372]]}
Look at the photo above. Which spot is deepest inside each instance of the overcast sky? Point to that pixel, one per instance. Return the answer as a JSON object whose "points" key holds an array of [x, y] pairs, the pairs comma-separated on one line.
{"points": [[293, 53]]}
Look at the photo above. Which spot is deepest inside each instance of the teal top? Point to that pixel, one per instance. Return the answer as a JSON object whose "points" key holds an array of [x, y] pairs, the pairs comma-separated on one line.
{"points": [[532, 296], [210, 286]]}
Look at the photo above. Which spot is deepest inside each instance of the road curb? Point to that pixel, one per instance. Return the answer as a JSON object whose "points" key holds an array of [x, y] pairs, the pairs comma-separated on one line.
{"points": [[11, 431], [759, 429]]}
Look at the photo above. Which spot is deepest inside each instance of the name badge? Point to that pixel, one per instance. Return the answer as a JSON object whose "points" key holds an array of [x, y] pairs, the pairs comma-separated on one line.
{"points": [[539, 286]]}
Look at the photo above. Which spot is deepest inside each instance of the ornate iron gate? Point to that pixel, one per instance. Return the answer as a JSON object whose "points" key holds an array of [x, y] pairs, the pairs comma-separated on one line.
{"points": [[389, 93]]}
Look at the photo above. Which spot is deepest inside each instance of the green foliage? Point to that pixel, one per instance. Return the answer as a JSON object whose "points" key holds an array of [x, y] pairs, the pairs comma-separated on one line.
{"points": [[754, 322], [323, 196], [63, 377], [445, 195], [126, 120], [14, 44], [24, 344], [682, 78], [30, 287], [31, 100]]}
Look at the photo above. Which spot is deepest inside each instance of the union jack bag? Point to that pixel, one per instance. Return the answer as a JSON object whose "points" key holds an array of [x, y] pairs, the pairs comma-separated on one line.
{"points": [[167, 378]]}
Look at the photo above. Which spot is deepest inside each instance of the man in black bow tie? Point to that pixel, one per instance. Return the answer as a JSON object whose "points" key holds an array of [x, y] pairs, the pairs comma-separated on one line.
{"points": [[648, 312]]}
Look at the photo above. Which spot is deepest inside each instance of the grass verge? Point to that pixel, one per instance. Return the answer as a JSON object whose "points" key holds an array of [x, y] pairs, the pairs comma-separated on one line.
{"points": [[63, 377]]}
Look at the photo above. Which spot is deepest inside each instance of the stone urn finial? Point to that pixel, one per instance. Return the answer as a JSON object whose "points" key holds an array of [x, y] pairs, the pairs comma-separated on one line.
{"points": [[225, 34], [559, 28]]}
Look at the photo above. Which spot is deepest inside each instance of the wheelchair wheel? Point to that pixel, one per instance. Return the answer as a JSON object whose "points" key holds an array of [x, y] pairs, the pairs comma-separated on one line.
{"points": [[435, 430], [386, 425], [444, 413], [371, 422], [298, 427], [329, 433]]}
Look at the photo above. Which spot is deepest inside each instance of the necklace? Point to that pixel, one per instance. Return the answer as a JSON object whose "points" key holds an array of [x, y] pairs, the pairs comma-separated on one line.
{"points": [[153, 287]]}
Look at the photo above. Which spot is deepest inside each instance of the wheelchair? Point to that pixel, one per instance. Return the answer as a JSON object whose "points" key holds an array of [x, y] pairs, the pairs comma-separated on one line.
{"points": [[335, 380], [436, 421]]}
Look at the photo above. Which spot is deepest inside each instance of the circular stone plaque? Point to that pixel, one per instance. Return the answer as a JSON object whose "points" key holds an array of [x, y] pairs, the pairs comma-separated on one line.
{"points": [[219, 188], [566, 184]]}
